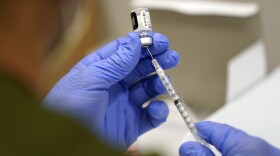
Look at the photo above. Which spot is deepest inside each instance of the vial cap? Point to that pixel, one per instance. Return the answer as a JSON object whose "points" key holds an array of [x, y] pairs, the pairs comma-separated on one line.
{"points": [[146, 41]]}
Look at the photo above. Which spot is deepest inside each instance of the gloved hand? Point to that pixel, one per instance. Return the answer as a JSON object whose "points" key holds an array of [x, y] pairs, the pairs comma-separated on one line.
{"points": [[106, 89], [229, 141]]}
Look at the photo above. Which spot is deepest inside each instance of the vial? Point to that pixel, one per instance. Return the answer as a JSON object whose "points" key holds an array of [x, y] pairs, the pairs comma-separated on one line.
{"points": [[141, 23]]}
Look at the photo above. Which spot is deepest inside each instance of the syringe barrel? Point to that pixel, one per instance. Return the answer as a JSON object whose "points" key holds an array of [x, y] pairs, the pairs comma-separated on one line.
{"points": [[178, 102]]}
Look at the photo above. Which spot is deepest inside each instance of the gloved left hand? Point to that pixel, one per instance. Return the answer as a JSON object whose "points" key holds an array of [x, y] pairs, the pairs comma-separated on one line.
{"points": [[105, 90], [229, 141]]}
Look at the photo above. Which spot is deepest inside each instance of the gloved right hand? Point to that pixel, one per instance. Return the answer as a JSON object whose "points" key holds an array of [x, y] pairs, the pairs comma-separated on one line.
{"points": [[106, 89], [229, 141]]}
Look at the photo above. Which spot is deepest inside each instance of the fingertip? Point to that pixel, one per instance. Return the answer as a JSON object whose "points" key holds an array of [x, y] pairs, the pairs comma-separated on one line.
{"points": [[160, 39], [160, 43], [201, 125], [185, 148], [153, 115], [173, 58], [168, 59], [218, 134], [158, 110], [194, 148], [204, 128]]}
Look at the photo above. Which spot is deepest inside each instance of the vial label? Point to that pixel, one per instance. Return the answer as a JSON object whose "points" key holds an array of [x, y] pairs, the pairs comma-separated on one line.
{"points": [[146, 18]]}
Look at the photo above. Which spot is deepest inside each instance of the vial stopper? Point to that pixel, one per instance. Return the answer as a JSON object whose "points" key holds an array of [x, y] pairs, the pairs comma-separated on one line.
{"points": [[146, 41]]}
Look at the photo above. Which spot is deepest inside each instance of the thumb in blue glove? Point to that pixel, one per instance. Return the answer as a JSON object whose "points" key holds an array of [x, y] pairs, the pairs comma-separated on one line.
{"points": [[106, 89], [229, 141]]}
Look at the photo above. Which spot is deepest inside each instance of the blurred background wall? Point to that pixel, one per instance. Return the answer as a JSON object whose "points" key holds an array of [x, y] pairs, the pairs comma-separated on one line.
{"points": [[270, 24], [205, 44]]}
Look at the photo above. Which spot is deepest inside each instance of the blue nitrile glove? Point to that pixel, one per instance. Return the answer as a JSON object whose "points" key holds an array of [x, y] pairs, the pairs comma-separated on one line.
{"points": [[229, 141], [106, 89]]}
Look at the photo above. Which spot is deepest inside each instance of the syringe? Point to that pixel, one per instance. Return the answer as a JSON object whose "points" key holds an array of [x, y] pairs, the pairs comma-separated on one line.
{"points": [[141, 23], [176, 100]]}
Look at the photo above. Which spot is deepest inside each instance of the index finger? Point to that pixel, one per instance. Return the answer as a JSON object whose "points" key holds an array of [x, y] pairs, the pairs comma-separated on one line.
{"points": [[110, 48], [222, 136]]}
